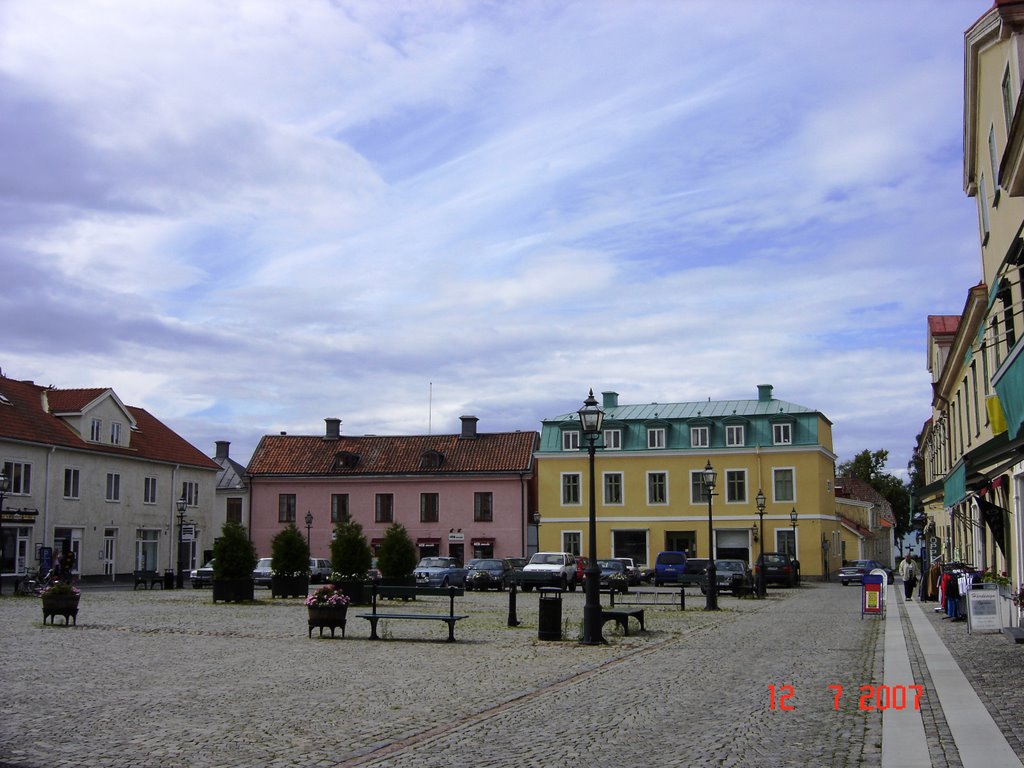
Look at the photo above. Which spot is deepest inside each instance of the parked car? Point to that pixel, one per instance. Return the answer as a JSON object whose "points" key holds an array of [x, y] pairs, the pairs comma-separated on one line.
{"points": [[614, 575], [550, 569], [632, 572], [319, 570], [779, 568], [440, 572], [732, 576], [669, 567], [489, 573], [854, 571], [202, 577], [518, 563], [581, 569], [374, 573], [262, 574]]}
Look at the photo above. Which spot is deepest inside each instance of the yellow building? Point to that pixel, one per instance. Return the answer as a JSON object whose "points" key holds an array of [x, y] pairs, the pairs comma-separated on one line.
{"points": [[649, 484]]}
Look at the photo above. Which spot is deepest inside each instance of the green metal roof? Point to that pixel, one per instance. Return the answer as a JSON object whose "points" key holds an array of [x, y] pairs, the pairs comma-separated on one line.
{"points": [[710, 409]]}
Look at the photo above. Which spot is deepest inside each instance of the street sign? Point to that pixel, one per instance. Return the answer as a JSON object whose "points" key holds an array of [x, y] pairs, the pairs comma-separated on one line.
{"points": [[188, 533]]}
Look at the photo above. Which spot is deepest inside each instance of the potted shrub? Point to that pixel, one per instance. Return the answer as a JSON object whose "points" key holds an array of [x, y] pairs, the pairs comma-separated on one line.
{"points": [[60, 599], [350, 560], [397, 557], [289, 564], [234, 557], [327, 607]]}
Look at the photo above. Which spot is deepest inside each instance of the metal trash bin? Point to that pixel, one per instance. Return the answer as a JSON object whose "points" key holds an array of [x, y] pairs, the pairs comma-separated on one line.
{"points": [[168, 579], [549, 614]]}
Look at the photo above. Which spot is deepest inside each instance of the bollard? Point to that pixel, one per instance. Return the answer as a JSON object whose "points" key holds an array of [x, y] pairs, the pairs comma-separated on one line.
{"points": [[682, 598], [513, 620]]}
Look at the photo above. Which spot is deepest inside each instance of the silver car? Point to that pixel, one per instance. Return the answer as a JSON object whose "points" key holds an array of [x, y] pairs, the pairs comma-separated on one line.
{"points": [[261, 574]]}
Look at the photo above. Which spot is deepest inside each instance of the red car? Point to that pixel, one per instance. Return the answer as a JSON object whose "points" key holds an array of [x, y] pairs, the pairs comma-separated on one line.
{"points": [[581, 567]]}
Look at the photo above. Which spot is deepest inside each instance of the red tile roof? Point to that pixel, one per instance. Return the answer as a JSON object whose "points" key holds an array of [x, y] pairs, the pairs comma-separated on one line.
{"points": [[942, 325], [503, 452], [27, 413]]}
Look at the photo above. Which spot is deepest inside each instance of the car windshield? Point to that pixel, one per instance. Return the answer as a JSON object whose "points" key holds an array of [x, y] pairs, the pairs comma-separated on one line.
{"points": [[434, 562], [611, 565], [775, 559], [671, 558], [263, 562], [545, 559], [483, 565], [730, 565]]}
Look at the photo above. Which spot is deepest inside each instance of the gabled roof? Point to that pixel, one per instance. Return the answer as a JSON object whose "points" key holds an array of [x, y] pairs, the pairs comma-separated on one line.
{"points": [[232, 475], [500, 452], [28, 413], [943, 325], [851, 487]]}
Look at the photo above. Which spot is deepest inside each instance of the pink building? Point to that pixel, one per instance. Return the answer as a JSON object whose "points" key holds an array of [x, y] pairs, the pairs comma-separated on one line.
{"points": [[466, 495]]}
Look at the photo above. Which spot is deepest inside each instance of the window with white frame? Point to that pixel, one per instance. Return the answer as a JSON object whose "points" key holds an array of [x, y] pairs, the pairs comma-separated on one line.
{"points": [[113, 486], [149, 490], [735, 435], [570, 440], [570, 488], [698, 488], [993, 159], [736, 485], [612, 487], [783, 484], [983, 208], [19, 473], [656, 437], [115, 433], [147, 547], [190, 493], [1006, 89], [657, 488], [71, 480], [96, 430], [782, 434], [700, 437], [613, 439], [572, 542]]}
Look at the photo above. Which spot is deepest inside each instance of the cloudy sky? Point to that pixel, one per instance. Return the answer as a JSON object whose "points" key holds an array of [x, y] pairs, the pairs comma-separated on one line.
{"points": [[248, 216]]}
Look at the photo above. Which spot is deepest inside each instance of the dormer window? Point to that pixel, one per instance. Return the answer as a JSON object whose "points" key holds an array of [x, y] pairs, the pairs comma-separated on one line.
{"points": [[96, 430], [431, 460], [115, 433], [345, 460], [570, 440]]}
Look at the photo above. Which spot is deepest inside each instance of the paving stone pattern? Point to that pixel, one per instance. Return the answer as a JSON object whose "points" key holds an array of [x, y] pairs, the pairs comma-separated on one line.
{"points": [[170, 679]]}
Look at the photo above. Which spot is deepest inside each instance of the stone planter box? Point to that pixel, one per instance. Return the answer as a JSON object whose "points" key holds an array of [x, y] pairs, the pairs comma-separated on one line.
{"points": [[61, 605], [233, 590], [289, 586], [324, 618]]}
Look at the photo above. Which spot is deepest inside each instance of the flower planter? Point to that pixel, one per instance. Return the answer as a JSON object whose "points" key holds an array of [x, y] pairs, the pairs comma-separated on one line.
{"points": [[289, 586], [61, 605], [327, 617], [232, 590]]}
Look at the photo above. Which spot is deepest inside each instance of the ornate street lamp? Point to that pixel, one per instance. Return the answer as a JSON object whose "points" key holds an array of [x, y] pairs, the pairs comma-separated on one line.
{"points": [[5, 486], [182, 506], [796, 561], [591, 419], [309, 525], [760, 501], [710, 479]]}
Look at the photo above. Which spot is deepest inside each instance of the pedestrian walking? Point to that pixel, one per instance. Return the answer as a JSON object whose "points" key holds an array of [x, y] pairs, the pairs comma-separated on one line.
{"points": [[908, 572]]}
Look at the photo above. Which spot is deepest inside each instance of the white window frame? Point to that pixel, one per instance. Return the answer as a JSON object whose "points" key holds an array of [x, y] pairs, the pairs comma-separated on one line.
{"points": [[729, 476], [700, 437], [782, 433], [650, 476], [113, 489], [149, 490], [735, 435], [72, 482], [572, 541], [613, 439], [655, 437], [571, 480], [190, 492], [697, 480], [96, 430], [571, 440], [19, 473], [792, 479], [115, 433], [604, 489]]}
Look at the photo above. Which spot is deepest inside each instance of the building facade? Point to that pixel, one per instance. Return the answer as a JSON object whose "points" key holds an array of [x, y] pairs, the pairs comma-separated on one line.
{"points": [[465, 495], [649, 486], [232, 494], [93, 475], [972, 447]]}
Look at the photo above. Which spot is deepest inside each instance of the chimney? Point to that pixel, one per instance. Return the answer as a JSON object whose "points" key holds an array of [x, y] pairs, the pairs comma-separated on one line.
{"points": [[610, 400], [333, 429], [468, 427], [222, 449], [764, 393]]}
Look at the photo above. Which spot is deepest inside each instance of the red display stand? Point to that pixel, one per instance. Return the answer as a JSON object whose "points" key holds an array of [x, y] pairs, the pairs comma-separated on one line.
{"points": [[872, 598]]}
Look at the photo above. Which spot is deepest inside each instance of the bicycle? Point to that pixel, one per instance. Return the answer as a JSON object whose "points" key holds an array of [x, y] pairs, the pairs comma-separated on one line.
{"points": [[30, 585]]}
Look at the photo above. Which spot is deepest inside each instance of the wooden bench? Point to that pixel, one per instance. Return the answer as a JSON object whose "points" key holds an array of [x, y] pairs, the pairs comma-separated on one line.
{"points": [[148, 579], [621, 616], [407, 593]]}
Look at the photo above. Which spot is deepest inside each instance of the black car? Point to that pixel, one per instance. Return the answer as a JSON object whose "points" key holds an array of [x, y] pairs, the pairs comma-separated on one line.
{"points": [[489, 573], [779, 568], [854, 571], [614, 575], [732, 576]]}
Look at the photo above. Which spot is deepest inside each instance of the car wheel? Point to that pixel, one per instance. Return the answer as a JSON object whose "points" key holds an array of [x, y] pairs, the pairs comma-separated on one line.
{"points": [[444, 582], [527, 588], [572, 587], [846, 583], [565, 584]]}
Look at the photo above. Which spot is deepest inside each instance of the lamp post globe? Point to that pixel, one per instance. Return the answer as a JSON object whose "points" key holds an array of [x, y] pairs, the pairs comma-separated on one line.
{"points": [[591, 419], [710, 480], [760, 501], [309, 526]]}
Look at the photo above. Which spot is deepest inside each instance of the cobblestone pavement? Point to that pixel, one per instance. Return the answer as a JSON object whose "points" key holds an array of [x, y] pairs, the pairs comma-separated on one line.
{"points": [[150, 678]]}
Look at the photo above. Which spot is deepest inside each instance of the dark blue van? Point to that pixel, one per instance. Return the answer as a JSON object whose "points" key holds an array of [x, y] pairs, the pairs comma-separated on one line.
{"points": [[668, 567]]}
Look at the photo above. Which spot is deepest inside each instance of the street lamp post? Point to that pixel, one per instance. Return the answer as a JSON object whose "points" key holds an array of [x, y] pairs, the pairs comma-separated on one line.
{"points": [[796, 561], [182, 506], [591, 418], [5, 486], [309, 525], [710, 477], [760, 501]]}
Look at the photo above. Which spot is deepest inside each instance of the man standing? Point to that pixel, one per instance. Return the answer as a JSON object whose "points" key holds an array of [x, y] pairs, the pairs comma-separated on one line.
{"points": [[908, 572]]}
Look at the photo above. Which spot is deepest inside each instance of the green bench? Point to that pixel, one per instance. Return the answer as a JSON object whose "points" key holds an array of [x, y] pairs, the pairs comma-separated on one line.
{"points": [[411, 593]]}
